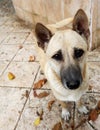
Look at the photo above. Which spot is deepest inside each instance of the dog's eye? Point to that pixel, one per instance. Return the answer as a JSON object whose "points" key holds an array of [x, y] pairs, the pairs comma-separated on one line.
{"points": [[58, 56], [78, 53]]}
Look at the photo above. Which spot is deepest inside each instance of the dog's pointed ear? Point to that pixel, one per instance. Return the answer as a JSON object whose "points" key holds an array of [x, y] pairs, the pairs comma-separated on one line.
{"points": [[80, 23], [43, 35]]}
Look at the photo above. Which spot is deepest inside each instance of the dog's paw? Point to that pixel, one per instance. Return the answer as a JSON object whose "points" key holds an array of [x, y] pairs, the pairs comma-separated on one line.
{"points": [[65, 114], [83, 110]]}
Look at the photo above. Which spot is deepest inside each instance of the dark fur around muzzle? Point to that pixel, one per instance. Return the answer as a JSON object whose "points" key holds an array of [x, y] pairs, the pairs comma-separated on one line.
{"points": [[71, 77]]}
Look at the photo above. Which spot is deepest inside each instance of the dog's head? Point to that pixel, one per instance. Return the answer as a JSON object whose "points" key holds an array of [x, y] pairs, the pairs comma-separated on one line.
{"points": [[66, 50]]}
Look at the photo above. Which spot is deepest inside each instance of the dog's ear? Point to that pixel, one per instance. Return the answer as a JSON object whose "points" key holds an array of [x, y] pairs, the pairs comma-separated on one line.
{"points": [[43, 35], [80, 23]]}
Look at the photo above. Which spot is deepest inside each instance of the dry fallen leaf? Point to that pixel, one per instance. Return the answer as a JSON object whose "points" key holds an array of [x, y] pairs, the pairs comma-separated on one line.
{"points": [[35, 94], [93, 115], [50, 104], [40, 95], [37, 121], [20, 47], [40, 84], [58, 126], [31, 58], [98, 105], [11, 76], [90, 87], [43, 94]]}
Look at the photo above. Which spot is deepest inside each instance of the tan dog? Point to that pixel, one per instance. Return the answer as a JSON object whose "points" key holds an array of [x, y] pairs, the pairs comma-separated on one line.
{"points": [[63, 59]]}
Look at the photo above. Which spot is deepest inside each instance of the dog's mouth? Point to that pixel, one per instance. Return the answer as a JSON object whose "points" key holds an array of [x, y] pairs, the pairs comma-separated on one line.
{"points": [[71, 77]]}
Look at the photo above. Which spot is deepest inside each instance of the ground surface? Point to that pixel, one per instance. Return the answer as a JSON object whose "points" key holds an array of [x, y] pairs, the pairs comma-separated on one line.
{"points": [[18, 110]]}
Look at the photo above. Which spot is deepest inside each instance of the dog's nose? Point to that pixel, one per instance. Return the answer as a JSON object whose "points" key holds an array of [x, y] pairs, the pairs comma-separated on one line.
{"points": [[71, 77], [73, 84]]}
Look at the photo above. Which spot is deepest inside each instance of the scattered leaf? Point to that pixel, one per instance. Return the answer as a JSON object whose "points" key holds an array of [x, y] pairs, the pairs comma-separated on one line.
{"points": [[20, 47], [40, 95], [98, 105], [93, 115], [31, 58], [11, 76], [37, 121], [50, 104], [90, 87], [40, 114], [40, 84], [43, 94], [57, 126], [35, 94]]}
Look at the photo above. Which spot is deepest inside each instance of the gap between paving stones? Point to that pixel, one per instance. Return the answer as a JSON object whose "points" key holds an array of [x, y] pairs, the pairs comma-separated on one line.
{"points": [[26, 100], [93, 127], [12, 57]]}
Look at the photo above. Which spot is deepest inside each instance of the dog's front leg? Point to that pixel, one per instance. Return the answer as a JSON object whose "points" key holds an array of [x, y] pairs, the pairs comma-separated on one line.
{"points": [[81, 108], [65, 112]]}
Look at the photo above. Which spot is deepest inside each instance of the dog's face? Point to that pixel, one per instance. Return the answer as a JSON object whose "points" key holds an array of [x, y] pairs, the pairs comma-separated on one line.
{"points": [[66, 50]]}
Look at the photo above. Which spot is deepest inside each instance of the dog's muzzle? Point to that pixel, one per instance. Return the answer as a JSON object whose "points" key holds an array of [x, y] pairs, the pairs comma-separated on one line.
{"points": [[71, 77]]}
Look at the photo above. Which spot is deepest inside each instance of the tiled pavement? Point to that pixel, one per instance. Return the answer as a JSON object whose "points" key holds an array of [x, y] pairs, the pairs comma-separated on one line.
{"points": [[18, 112]]}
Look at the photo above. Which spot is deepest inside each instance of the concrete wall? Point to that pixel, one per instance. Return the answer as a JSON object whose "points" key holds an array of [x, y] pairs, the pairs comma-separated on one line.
{"points": [[51, 11]]}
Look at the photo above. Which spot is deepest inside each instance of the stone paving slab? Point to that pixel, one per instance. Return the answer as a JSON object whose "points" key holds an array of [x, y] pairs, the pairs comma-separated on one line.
{"points": [[16, 38], [3, 65], [6, 28], [94, 75], [3, 20], [94, 56], [24, 72], [29, 114], [30, 39], [7, 52], [3, 35], [25, 52], [11, 105]]}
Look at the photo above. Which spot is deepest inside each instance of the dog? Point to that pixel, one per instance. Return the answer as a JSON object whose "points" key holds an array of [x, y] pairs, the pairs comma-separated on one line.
{"points": [[63, 58]]}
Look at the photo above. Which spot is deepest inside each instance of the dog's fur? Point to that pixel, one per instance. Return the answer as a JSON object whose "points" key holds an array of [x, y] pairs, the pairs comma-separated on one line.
{"points": [[63, 57]]}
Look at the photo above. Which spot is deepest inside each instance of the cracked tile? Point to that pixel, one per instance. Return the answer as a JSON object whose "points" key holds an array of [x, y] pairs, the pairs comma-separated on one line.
{"points": [[24, 72]]}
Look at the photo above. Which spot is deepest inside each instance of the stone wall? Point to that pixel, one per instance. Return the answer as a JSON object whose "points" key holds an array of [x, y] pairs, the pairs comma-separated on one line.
{"points": [[51, 11]]}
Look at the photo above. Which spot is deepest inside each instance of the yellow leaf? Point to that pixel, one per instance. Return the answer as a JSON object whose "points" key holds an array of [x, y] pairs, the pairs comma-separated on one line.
{"points": [[11, 76], [37, 121]]}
